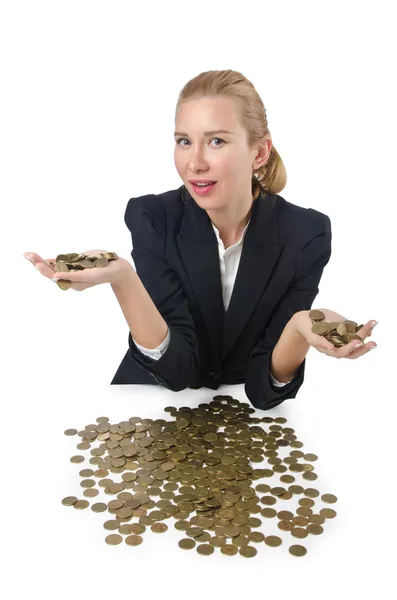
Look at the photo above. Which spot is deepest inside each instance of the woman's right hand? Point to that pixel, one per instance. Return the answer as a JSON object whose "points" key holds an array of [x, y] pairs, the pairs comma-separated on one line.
{"points": [[45, 268]]}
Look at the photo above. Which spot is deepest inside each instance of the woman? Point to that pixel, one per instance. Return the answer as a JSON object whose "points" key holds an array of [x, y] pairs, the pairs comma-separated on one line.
{"points": [[225, 274]]}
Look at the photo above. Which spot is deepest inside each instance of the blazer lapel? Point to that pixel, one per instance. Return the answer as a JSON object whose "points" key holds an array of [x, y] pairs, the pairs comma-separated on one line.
{"points": [[199, 252]]}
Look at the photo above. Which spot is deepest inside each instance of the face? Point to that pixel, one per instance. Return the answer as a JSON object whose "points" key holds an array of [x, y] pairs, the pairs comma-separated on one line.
{"points": [[222, 157]]}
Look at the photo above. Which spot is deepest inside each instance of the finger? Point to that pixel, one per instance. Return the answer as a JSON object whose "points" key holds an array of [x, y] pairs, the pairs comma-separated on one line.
{"points": [[361, 350], [347, 349], [366, 330], [322, 344], [77, 276], [37, 260]]}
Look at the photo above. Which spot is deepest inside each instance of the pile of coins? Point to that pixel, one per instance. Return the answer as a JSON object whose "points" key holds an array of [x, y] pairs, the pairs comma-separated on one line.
{"points": [[198, 468], [79, 262], [339, 333]]}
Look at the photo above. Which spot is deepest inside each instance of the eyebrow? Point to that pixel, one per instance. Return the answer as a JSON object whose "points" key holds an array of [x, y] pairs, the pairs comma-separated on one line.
{"points": [[206, 132]]}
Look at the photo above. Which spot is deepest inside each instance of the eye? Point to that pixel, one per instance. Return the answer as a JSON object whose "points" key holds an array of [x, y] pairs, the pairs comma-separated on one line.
{"points": [[214, 138]]}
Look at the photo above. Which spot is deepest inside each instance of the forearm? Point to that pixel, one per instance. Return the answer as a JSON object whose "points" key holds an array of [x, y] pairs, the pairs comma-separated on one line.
{"points": [[289, 353], [147, 326]]}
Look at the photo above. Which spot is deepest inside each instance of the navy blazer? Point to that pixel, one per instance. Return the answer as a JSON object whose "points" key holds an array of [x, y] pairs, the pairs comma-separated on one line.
{"points": [[175, 252]]}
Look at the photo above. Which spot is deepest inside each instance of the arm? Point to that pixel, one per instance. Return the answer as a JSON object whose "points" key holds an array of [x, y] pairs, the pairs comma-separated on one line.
{"points": [[159, 299], [143, 318], [279, 349]]}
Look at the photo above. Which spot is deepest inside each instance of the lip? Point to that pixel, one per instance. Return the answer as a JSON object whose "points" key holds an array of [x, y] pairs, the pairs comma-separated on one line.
{"points": [[192, 181], [203, 191]]}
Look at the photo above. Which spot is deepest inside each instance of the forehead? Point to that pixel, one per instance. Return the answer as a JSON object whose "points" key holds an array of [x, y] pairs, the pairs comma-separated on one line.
{"points": [[208, 113]]}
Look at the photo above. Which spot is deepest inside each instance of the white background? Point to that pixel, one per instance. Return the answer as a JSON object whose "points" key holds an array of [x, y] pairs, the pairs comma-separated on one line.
{"points": [[87, 117]]}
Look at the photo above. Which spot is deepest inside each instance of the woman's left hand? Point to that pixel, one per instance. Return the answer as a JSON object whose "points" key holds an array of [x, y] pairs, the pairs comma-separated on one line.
{"points": [[303, 325], [113, 273]]}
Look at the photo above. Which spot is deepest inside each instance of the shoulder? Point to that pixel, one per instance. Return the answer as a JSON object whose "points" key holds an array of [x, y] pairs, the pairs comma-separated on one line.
{"points": [[299, 222], [155, 207]]}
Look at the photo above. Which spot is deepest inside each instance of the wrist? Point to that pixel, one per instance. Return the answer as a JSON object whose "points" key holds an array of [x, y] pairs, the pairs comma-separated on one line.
{"points": [[125, 276], [294, 323], [289, 352]]}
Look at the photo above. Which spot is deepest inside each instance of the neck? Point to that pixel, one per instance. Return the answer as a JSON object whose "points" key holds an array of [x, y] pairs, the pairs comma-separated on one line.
{"points": [[232, 223]]}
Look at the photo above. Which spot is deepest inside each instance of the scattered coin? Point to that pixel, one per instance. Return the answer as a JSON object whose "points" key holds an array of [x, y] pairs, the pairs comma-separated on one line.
{"points": [[297, 550], [69, 500], [229, 549], [248, 551], [205, 549], [111, 525], [90, 492], [159, 527], [70, 431], [330, 498], [113, 539], [80, 504], [186, 543], [273, 541], [199, 468], [77, 459], [133, 540], [99, 507]]}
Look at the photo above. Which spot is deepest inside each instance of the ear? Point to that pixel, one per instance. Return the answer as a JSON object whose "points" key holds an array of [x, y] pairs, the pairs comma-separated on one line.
{"points": [[263, 153]]}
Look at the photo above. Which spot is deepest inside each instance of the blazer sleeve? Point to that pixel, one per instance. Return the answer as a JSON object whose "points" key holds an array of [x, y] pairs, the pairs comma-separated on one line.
{"points": [[312, 259], [179, 365]]}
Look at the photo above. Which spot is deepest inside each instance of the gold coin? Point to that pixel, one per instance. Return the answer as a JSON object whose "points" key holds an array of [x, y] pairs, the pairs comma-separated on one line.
{"points": [[299, 532], [320, 328], [330, 498], [70, 431], [186, 544], [69, 500], [328, 513], [77, 458], [133, 540], [125, 529], [256, 537], [268, 513], [297, 550], [273, 541], [90, 492], [87, 483], [314, 529], [285, 514], [310, 457], [229, 549], [81, 504], [99, 507], [111, 525], [159, 527], [217, 541], [205, 549], [86, 473], [316, 315], [113, 539], [248, 551], [263, 488], [137, 528], [318, 519], [285, 525]]}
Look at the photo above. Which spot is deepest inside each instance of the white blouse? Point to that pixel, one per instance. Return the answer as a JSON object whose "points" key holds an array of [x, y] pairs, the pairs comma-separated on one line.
{"points": [[229, 259]]}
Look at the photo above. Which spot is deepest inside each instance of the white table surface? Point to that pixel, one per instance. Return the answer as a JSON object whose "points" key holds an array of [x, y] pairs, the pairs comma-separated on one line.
{"points": [[55, 551]]}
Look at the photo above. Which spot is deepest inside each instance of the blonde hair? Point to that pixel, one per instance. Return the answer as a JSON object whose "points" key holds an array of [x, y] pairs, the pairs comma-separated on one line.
{"points": [[272, 176]]}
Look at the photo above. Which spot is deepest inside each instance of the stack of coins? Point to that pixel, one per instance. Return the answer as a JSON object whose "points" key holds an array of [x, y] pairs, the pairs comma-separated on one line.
{"points": [[339, 333], [79, 262], [198, 470]]}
